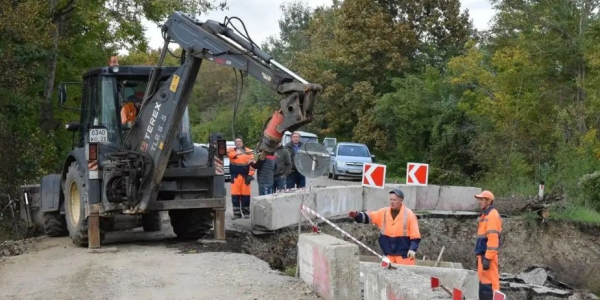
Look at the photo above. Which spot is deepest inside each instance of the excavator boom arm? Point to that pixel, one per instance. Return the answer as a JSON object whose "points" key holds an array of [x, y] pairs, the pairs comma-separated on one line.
{"points": [[159, 119]]}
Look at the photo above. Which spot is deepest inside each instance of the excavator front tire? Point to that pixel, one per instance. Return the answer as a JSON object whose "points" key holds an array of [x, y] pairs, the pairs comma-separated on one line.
{"points": [[75, 191], [192, 223]]}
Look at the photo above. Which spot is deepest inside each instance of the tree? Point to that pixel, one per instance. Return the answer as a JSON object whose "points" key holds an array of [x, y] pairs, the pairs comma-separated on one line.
{"points": [[120, 20]]}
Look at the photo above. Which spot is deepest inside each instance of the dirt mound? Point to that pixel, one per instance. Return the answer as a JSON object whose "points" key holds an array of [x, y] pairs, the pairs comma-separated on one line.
{"points": [[13, 248]]}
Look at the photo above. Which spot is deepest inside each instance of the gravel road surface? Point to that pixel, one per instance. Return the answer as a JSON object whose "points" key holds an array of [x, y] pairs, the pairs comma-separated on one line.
{"points": [[146, 266]]}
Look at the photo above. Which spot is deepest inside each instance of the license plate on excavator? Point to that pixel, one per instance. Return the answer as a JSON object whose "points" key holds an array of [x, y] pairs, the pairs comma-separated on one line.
{"points": [[98, 135]]}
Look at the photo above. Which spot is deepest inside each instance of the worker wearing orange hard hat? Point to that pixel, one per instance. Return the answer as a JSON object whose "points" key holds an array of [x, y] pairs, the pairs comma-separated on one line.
{"points": [[487, 245], [398, 226]]}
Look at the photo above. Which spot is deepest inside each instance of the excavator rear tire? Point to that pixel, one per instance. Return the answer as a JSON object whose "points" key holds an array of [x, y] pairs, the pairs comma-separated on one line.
{"points": [[75, 191], [192, 223], [55, 224], [151, 221]]}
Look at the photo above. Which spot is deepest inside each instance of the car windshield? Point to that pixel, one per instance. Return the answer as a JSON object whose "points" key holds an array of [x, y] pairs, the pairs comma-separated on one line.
{"points": [[306, 140], [360, 151]]}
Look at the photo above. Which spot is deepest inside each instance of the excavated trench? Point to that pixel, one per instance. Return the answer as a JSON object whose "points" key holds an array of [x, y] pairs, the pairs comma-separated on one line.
{"points": [[570, 250]]}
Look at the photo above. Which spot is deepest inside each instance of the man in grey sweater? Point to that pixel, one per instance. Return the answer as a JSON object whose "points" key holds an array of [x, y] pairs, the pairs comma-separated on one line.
{"points": [[283, 167]]}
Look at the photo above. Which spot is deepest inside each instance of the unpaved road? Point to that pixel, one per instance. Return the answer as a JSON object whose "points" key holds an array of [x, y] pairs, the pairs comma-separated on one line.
{"points": [[146, 266]]}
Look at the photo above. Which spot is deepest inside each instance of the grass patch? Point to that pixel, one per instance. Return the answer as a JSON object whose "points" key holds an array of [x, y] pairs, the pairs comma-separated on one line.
{"points": [[395, 179], [576, 213], [290, 271]]}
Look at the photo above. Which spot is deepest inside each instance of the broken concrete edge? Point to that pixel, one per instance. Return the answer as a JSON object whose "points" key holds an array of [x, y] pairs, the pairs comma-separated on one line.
{"points": [[466, 280], [419, 262]]}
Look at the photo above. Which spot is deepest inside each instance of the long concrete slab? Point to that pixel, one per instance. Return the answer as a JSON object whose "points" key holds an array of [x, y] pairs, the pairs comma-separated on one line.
{"points": [[330, 266], [274, 212], [431, 197], [338, 201]]}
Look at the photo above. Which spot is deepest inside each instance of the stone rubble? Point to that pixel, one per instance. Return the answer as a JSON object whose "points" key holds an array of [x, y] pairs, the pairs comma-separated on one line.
{"points": [[539, 282]]}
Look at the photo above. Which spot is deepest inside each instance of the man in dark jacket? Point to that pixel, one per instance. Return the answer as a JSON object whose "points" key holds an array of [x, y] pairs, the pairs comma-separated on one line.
{"points": [[295, 179], [266, 170], [283, 167]]}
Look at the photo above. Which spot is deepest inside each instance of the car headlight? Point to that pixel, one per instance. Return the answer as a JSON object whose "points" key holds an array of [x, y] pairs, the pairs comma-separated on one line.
{"points": [[340, 163]]}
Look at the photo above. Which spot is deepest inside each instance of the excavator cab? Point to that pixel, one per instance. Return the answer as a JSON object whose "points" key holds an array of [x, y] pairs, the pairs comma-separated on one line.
{"points": [[105, 91], [188, 180]]}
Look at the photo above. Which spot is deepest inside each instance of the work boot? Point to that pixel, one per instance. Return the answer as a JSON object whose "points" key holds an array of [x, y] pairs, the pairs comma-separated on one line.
{"points": [[237, 213], [246, 212]]}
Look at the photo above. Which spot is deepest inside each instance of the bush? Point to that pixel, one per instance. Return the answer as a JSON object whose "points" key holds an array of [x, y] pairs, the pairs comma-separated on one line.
{"points": [[589, 186]]}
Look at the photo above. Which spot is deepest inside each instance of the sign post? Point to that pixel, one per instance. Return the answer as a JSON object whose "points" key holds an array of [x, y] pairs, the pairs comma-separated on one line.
{"points": [[417, 174], [374, 175]]}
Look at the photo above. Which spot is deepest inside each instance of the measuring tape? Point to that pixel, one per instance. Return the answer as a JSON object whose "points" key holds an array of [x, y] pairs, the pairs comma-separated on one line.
{"points": [[385, 262]]}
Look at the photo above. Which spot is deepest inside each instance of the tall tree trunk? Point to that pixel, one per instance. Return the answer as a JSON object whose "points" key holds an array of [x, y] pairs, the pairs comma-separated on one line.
{"points": [[58, 17], [46, 114]]}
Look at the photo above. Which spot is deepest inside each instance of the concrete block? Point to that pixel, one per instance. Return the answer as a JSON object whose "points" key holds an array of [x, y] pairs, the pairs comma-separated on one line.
{"points": [[374, 199], [401, 283], [329, 266], [273, 212], [337, 201], [458, 198], [466, 280]]}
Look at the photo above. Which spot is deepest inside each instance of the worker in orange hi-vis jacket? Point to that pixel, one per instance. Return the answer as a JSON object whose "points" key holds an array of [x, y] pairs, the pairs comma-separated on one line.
{"points": [[130, 109], [487, 245], [242, 175], [399, 229]]}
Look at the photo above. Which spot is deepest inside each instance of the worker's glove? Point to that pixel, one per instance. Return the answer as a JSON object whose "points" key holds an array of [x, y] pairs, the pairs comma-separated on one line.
{"points": [[249, 179], [485, 263], [412, 254], [353, 214]]}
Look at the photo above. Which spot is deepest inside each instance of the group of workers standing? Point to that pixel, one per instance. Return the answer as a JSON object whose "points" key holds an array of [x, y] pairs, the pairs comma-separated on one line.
{"points": [[400, 237], [277, 172]]}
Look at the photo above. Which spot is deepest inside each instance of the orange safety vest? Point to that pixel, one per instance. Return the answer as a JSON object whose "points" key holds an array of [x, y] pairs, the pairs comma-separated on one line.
{"points": [[128, 113], [488, 233], [397, 236], [240, 164]]}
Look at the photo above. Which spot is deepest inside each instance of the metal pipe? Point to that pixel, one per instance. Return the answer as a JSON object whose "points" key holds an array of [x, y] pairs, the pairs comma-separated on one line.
{"points": [[296, 76]]}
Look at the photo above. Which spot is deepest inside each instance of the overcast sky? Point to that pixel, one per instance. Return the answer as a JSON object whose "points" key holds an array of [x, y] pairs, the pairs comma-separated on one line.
{"points": [[261, 17]]}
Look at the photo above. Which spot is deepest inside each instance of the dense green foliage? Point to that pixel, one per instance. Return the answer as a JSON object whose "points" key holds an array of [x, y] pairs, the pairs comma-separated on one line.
{"points": [[502, 109]]}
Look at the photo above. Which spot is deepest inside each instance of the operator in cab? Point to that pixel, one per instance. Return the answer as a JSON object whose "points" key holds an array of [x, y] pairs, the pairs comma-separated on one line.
{"points": [[130, 109], [398, 226]]}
